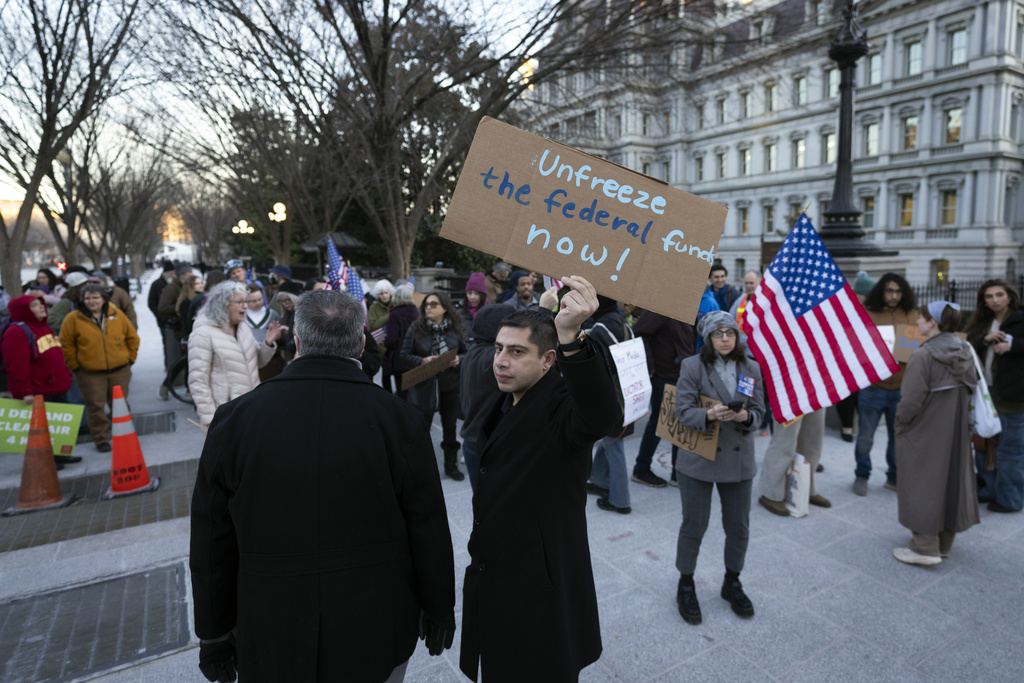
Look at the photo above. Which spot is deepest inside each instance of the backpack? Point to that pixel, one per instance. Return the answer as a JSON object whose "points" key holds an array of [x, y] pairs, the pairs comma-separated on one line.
{"points": [[604, 338], [31, 338]]}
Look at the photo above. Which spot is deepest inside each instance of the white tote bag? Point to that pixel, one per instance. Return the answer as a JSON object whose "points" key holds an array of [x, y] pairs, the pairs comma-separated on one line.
{"points": [[983, 417]]}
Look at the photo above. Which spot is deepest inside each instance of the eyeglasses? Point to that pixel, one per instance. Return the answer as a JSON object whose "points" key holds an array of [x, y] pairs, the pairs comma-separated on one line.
{"points": [[893, 291], [237, 302], [431, 304], [718, 334]]}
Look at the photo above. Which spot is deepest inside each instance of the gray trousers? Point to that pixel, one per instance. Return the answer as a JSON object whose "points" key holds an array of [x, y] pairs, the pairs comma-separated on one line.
{"points": [[696, 495], [933, 545], [804, 437]]}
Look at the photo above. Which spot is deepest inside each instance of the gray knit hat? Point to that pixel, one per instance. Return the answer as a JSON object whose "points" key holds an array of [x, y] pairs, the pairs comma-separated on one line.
{"points": [[716, 320]]}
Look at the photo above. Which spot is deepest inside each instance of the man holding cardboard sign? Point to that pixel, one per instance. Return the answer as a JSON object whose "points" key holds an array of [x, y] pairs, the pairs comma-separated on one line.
{"points": [[890, 302], [530, 575]]}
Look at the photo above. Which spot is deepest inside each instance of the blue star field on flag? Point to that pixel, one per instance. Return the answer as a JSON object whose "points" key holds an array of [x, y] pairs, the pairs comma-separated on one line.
{"points": [[805, 269], [333, 267]]}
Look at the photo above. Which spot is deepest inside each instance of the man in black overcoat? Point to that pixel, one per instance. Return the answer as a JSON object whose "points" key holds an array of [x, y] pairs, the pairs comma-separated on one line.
{"points": [[320, 543], [529, 605]]}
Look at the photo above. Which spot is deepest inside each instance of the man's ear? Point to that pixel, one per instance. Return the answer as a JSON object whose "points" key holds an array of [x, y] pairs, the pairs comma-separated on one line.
{"points": [[298, 345], [548, 359], [363, 347]]}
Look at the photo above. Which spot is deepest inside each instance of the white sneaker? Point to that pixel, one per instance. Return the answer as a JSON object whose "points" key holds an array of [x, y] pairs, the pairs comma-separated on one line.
{"points": [[908, 556]]}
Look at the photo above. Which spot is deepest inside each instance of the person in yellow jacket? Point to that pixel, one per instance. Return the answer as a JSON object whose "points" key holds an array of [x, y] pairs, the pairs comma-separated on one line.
{"points": [[100, 344]]}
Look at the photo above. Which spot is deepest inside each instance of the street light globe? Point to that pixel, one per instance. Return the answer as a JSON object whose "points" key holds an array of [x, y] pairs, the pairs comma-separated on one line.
{"points": [[271, 215], [279, 216], [250, 230], [242, 224], [279, 208], [235, 229]]}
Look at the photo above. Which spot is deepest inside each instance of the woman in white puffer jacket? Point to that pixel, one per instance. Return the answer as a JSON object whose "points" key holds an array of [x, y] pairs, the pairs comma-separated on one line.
{"points": [[223, 356]]}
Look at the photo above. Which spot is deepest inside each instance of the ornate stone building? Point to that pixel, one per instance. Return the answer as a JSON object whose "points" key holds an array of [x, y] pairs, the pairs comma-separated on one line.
{"points": [[748, 118]]}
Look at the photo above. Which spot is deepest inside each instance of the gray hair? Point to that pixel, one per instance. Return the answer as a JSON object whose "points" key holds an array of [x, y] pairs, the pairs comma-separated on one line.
{"points": [[216, 306], [502, 267], [402, 295], [329, 324], [382, 286]]}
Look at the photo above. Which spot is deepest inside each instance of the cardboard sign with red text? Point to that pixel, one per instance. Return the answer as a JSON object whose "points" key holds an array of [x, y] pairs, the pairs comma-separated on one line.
{"points": [[704, 444], [554, 209]]}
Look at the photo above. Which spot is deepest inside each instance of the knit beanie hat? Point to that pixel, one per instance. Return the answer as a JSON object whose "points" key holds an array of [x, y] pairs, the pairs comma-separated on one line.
{"points": [[864, 283], [716, 320]]}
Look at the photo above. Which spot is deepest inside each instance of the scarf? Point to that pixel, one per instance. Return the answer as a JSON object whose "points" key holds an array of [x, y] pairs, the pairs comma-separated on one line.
{"points": [[438, 344]]}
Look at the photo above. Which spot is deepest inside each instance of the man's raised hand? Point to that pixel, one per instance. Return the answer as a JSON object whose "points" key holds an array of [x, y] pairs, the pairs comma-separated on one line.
{"points": [[576, 306]]}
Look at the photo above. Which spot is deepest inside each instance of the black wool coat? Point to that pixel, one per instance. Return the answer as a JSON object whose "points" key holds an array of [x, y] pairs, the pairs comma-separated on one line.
{"points": [[319, 528], [529, 604]]}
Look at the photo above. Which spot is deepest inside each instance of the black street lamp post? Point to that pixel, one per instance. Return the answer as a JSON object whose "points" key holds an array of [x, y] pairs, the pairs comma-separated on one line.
{"points": [[843, 233]]}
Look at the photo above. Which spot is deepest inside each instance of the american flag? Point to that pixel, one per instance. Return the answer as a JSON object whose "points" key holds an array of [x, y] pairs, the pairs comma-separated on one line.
{"points": [[552, 282], [813, 340], [335, 268]]}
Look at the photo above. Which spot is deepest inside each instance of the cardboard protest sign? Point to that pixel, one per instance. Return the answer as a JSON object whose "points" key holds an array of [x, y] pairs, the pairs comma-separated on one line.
{"points": [[631, 366], [704, 444], [63, 420], [908, 340], [428, 370], [559, 211]]}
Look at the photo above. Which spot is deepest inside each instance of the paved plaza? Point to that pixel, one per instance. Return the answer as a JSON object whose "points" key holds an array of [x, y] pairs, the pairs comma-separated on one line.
{"points": [[100, 591]]}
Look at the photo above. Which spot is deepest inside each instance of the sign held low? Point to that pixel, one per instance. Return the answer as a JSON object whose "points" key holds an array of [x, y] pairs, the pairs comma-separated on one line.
{"points": [[540, 204]]}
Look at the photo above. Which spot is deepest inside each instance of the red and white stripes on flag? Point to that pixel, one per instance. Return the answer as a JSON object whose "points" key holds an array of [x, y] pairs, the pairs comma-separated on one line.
{"points": [[814, 342]]}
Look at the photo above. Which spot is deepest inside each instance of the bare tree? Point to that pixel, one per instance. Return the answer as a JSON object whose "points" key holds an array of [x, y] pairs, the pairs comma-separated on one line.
{"points": [[388, 94], [61, 61]]}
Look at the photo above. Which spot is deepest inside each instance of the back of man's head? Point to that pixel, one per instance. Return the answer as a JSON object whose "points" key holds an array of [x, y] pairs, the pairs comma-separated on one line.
{"points": [[541, 326], [502, 269], [330, 324]]}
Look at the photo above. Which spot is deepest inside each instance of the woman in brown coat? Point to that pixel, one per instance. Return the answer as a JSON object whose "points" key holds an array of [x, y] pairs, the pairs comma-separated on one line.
{"points": [[936, 487]]}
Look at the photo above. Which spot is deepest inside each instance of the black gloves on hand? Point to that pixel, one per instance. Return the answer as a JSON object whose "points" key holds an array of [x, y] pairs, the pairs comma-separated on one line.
{"points": [[217, 659], [437, 634]]}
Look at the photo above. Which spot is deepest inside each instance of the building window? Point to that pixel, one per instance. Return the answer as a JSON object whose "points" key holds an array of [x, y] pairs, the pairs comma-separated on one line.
{"points": [[818, 12], [646, 125], [867, 207], [799, 153], [939, 271], [948, 213], [746, 110], [769, 219], [698, 166], [800, 88], [553, 131], [666, 123], [956, 47], [823, 206], [953, 125], [666, 170], [828, 146], [874, 72], [760, 34], [795, 209], [771, 97], [831, 83], [909, 126], [720, 111], [745, 161], [871, 140], [646, 169], [912, 58], [769, 158], [744, 220], [720, 159], [700, 116], [905, 202], [617, 126]]}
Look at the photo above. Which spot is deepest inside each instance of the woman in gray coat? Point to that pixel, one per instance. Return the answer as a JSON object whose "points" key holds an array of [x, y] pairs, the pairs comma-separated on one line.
{"points": [[936, 489], [721, 372]]}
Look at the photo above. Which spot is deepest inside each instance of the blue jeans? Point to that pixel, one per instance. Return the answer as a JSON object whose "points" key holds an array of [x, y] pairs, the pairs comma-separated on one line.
{"points": [[610, 471], [1009, 479], [872, 403], [649, 441]]}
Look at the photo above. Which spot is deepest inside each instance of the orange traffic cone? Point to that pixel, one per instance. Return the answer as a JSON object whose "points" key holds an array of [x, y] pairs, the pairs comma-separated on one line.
{"points": [[40, 489], [128, 473]]}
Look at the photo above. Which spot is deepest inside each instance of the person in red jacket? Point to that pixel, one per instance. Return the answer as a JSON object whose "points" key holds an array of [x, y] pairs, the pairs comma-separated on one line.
{"points": [[33, 357]]}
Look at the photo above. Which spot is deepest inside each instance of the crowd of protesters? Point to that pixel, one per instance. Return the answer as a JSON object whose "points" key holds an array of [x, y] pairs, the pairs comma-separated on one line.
{"points": [[74, 338]]}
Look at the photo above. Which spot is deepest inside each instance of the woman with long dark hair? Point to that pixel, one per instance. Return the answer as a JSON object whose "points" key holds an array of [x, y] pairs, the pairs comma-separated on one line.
{"points": [[996, 331], [438, 330]]}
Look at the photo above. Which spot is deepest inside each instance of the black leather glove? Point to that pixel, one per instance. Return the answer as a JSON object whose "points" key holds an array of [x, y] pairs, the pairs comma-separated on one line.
{"points": [[437, 634], [217, 659]]}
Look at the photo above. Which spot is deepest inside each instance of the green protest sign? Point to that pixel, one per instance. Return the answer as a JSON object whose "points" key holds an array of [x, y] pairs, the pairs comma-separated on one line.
{"points": [[16, 416]]}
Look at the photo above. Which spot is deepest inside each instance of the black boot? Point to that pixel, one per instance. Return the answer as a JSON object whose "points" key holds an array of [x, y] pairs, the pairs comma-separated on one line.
{"points": [[732, 591], [451, 465], [686, 597]]}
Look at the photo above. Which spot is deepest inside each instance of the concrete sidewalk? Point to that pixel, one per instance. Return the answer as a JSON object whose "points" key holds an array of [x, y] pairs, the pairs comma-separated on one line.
{"points": [[832, 603]]}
